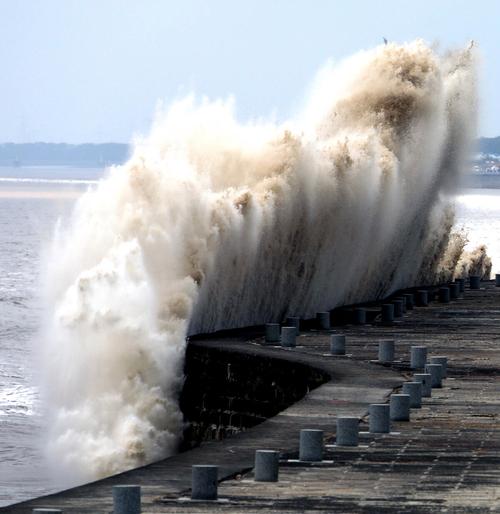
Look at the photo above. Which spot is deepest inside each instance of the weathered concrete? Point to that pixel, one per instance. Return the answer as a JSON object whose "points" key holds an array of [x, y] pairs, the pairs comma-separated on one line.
{"points": [[446, 459]]}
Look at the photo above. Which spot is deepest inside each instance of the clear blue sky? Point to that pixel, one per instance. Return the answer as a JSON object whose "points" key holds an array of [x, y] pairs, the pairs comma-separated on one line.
{"points": [[93, 70]]}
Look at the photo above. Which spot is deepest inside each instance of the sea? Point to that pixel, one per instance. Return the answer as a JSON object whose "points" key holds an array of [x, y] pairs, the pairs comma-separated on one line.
{"points": [[32, 200]]}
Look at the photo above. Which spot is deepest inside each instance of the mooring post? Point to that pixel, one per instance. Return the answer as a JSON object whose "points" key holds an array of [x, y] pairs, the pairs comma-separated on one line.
{"points": [[272, 333], [347, 431], [359, 316], [474, 281], [410, 300], [414, 391], [204, 482], [267, 463], [311, 445], [418, 357], [425, 378], [435, 371], [422, 298], [441, 359], [337, 344], [444, 294], [126, 499], [400, 407], [380, 419], [387, 313], [454, 290], [293, 321], [386, 350], [398, 308], [288, 337], [323, 320], [461, 284]]}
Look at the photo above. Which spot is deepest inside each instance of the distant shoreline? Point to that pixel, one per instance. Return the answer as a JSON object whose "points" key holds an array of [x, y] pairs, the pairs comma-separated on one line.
{"points": [[101, 155], [90, 155]]}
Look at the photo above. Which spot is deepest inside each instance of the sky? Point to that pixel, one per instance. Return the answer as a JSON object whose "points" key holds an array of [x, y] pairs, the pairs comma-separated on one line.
{"points": [[94, 70]]}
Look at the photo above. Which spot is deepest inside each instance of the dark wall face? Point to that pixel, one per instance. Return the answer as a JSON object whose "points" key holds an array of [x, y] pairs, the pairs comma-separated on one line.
{"points": [[226, 392]]}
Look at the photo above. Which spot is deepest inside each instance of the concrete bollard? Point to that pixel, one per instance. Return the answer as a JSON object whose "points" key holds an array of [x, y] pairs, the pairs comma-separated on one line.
{"points": [[387, 313], [386, 351], [474, 281], [435, 371], [398, 308], [439, 359], [461, 284], [204, 482], [418, 357], [337, 344], [267, 464], [410, 300], [272, 333], [293, 321], [414, 391], [422, 298], [454, 291], [347, 431], [380, 418], [359, 316], [288, 336], [425, 378], [497, 280], [400, 407], [323, 320], [126, 499], [311, 445], [48, 511], [444, 294]]}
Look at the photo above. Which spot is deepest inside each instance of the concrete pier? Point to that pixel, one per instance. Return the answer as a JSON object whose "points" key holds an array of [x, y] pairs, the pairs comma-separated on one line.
{"points": [[446, 459]]}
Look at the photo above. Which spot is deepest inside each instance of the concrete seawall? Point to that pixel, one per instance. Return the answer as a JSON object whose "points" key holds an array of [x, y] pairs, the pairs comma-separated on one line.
{"points": [[446, 459]]}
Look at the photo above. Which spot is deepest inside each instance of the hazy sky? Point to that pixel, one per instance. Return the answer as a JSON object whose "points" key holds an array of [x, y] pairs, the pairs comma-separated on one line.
{"points": [[93, 70]]}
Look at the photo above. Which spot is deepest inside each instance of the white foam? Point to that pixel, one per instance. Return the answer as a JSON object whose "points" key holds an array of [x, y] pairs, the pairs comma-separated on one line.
{"points": [[215, 224]]}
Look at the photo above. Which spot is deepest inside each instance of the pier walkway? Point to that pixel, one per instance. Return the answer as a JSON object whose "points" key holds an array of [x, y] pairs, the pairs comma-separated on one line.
{"points": [[445, 459]]}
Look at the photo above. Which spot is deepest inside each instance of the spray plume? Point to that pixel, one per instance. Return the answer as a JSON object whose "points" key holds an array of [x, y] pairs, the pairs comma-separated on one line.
{"points": [[214, 224]]}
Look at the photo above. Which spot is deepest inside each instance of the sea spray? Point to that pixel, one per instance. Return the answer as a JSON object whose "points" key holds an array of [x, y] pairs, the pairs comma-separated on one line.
{"points": [[214, 224]]}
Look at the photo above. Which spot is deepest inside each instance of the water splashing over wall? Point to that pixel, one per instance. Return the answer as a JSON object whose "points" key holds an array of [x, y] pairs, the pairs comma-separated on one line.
{"points": [[215, 224]]}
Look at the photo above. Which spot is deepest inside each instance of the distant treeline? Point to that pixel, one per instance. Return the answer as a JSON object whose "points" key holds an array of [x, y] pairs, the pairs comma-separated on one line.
{"points": [[62, 154], [105, 154]]}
